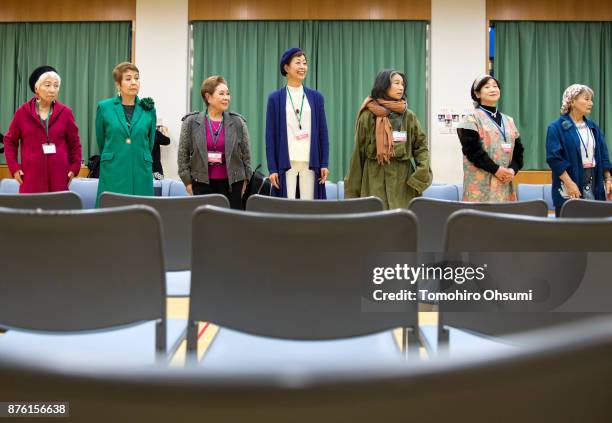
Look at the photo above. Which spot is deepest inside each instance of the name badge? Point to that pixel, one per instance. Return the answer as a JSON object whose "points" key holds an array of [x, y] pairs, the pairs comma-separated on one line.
{"points": [[49, 148], [506, 147], [587, 165], [399, 136], [301, 135], [215, 157]]}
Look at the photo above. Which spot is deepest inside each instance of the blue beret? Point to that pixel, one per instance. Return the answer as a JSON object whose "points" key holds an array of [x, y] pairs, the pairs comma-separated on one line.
{"points": [[286, 58]]}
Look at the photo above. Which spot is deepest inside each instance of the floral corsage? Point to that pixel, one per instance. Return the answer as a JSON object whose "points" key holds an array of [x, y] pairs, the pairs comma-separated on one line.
{"points": [[147, 103]]}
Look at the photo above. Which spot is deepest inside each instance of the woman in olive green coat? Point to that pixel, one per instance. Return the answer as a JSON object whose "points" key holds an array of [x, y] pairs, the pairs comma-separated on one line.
{"points": [[125, 131], [391, 158]]}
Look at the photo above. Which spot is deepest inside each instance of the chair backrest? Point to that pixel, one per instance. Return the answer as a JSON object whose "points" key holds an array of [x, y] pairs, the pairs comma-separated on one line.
{"points": [[87, 269], [9, 186], [177, 189], [526, 192], [175, 213], [331, 190], [262, 203], [442, 192], [547, 190], [87, 188], [505, 233], [294, 276], [533, 380], [433, 214], [63, 200], [340, 190], [586, 208]]}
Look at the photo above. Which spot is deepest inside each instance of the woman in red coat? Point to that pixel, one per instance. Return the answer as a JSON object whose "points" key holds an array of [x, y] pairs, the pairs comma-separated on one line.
{"points": [[49, 138]]}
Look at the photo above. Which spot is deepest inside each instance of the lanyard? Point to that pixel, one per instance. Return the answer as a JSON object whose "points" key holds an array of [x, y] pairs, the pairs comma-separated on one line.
{"points": [[586, 149], [45, 121], [502, 128], [298, 113], [214, 135]]}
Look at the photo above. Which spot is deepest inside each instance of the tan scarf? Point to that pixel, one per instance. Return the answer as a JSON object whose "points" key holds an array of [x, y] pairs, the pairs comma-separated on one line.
{"points": [[384, 131]]}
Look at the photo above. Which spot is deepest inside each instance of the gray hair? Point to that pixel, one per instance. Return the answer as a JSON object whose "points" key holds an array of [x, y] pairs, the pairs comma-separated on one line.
{"points": [[571, 93], [46, 75]]}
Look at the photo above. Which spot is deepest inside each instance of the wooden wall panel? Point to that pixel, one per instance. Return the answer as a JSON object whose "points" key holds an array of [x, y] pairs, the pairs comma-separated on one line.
{"points": [[310, 9], [67, 10], [549, 10], [5, 173]]}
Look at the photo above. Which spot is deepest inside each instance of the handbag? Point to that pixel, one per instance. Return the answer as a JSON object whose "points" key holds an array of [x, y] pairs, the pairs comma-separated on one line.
{"points": [[258, 184]]}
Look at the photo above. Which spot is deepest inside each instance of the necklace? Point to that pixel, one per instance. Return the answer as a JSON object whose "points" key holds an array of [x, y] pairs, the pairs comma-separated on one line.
{"points": [[490, 113]]}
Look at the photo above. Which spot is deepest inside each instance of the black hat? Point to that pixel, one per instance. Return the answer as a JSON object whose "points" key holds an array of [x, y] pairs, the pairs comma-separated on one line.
{"points": [[37, 73], [286, 58]]}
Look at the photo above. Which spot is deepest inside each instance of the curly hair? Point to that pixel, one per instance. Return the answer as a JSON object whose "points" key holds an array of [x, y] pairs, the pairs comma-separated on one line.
{"points": [[571, 93]]}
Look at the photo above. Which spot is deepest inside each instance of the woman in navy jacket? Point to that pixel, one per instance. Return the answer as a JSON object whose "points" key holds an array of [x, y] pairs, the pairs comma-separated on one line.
{"points": [[297, 147], [576, 151]]}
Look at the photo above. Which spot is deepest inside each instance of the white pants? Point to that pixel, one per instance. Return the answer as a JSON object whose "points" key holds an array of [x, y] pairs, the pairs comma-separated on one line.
{"points": [[307, 180]]}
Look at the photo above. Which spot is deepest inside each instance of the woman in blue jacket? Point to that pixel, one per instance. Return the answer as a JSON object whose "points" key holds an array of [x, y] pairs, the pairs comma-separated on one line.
{"points": [[297, 146], [576, 151]]}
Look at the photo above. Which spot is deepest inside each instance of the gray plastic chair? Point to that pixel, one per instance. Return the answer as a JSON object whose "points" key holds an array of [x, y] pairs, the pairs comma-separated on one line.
{"points": [[432, 215], [87, 188], [296, 278], [505, 233], [262, 203], [442, 192], [63, 200], [586, 208], [9, 186], [72, 276], [175, 213], [535, 381]]}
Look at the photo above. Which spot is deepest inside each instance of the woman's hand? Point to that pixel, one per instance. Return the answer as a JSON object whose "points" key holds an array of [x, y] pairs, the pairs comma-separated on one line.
{"points": [[504, 174], [274, 180], [189, 189], [609, 189], [17, 175], [572, 189], [324, 175], [244, 185], [70, 176]]}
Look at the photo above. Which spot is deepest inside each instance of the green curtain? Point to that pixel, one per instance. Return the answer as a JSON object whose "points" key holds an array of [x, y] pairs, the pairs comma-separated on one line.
{"points": [[343, 56], [536, 61], [84, 55]]}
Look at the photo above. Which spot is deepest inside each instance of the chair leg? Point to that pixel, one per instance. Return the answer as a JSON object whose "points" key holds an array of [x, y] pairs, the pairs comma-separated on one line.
{"points": [[411, 347], [160, 341], [192, 342], [443, 339]]}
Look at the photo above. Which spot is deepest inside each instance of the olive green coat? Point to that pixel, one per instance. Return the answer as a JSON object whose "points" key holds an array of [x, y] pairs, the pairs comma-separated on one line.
{"points": [[125, 150], [399, 181]]}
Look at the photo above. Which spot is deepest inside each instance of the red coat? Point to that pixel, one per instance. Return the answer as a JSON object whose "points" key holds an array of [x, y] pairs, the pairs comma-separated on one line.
{"points": [[43, 172]]}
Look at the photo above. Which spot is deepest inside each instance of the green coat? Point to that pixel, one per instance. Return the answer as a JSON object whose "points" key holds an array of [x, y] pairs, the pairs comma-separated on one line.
{"points": [[125, 150], [399, 181]]}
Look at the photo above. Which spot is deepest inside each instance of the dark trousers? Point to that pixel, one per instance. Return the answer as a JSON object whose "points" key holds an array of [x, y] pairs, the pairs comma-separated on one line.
{"points": [[221, 186]]}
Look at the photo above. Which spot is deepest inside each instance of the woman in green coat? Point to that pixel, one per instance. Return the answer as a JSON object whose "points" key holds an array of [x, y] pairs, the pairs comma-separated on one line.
{"points": [[125, 131], [391, 158]]}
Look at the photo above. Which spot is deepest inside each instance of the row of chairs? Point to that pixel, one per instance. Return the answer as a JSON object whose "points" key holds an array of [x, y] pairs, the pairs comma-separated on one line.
{"points": [[266, 274], [87, 188], [248, 276]]}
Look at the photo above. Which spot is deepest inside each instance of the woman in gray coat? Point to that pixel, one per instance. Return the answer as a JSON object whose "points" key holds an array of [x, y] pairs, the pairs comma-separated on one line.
{"points": [[214, 155]]}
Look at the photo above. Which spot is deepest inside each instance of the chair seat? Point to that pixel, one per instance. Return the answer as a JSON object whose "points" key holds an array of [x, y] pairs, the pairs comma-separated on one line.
{"points": [[178, 283], [461, 342], [234, 351], [128, 346]]}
